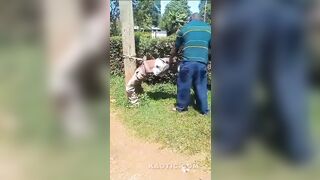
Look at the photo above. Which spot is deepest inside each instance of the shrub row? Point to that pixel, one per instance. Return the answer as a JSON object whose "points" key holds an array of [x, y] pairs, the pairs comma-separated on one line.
{"points": [[145, 46]]}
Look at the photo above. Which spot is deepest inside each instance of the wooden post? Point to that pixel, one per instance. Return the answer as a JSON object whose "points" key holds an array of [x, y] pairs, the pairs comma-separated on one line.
{"points": [[128, 44]]}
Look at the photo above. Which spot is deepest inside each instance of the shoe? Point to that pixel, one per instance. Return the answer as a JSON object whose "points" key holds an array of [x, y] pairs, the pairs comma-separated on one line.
{"points": [[179, 110], [206, 113]]}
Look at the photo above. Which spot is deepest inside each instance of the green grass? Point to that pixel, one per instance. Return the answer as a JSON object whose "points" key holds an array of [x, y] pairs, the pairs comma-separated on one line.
{"points": [[154, 120], [35, 136], [22, 87], [314, 112]]}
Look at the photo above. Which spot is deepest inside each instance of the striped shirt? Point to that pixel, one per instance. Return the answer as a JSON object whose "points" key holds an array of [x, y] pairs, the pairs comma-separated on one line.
{"points": [[195, 39]]}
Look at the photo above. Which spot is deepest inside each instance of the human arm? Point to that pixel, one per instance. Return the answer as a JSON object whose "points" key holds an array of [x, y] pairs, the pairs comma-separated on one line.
{"points": [[176, 47]]}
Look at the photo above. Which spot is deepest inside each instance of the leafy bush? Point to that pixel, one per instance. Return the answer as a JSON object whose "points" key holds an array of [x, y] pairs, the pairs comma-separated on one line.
{"points": [[142, 35], [116, 56], [145, 46]]}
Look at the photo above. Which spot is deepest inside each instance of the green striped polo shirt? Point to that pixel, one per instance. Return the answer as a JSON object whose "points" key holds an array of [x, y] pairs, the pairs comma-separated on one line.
{"points": [[195, 39]]}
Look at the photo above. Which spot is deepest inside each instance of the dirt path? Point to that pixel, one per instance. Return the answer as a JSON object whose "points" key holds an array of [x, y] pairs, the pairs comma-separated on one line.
{"points": [[134, 159]]}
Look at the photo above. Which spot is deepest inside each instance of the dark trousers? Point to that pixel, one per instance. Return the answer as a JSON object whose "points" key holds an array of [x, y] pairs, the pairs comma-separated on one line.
{"points": [[192, 74], [260, 42]]}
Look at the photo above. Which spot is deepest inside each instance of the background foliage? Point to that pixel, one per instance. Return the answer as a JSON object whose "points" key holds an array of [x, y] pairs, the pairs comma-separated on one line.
{"points": [[114, 18], [147, 13], [175, 16], [205, 10]]}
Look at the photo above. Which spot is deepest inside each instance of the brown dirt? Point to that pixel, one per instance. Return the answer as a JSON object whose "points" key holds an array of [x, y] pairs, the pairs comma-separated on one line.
{"points": [[134, 159]]}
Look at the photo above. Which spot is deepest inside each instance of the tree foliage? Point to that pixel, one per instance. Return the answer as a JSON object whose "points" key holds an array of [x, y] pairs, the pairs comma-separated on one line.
{"points": [[114, 10], [205, 10], [142, 14], [175, 16], [114, 18], [147, 13], [156, 13]]}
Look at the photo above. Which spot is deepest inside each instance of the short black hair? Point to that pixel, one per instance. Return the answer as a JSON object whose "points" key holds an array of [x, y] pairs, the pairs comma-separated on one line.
{"points": [[195, 16]]}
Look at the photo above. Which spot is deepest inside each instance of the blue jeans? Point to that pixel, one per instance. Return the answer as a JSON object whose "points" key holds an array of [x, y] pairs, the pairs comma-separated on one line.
{"points": [[266, 44], [192, 74]]}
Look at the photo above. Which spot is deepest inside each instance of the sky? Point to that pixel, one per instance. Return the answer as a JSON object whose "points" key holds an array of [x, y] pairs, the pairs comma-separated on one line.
{"points": [[192, 3]]}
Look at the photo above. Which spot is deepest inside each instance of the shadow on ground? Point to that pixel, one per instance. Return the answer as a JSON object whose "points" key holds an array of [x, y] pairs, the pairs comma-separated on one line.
{"points": [[161, 95]]}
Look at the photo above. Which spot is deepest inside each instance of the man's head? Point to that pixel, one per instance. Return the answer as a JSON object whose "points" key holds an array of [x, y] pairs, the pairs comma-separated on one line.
{"points": [[195, 16]]}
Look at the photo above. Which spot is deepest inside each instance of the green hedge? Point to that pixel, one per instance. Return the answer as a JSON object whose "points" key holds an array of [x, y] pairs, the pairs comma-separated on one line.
{"points": [[116, 59], [145, 46]]}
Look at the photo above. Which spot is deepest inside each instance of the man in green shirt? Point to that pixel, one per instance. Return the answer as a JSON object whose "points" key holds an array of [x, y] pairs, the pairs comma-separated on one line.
{"points": [[194, 39]]}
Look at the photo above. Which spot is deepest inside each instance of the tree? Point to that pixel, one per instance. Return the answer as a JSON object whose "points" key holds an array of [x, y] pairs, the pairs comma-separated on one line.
{"points": [[205, 10], [114, 9], [142, 14], [175, 16], [114, 18], [147, 13], [156, 13]]}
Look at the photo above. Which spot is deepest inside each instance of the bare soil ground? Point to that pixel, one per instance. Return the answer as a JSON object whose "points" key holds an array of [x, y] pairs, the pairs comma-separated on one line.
{"points": [[134, 159]]}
